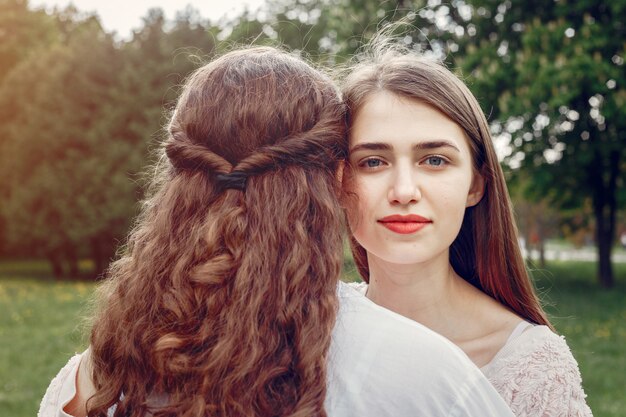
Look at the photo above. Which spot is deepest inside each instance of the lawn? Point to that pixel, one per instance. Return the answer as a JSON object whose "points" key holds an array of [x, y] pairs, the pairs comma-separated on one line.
{"points": [[41, 327], [593, 321]]}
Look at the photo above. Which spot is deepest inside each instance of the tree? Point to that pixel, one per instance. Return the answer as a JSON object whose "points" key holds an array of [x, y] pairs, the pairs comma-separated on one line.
{"points": [[536, 219], [22, 33], [295, 24], [553, 77], [329, 31], [62, 103], [79, 118]]}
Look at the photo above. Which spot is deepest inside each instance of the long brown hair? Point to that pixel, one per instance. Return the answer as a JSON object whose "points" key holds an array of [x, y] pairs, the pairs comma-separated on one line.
{"points": [[486, 251], [224, 299]]}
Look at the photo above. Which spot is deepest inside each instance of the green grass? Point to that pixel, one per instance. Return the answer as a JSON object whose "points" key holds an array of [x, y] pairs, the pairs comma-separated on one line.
{"points": [[39, 331], [40, 328], [593, 321]]}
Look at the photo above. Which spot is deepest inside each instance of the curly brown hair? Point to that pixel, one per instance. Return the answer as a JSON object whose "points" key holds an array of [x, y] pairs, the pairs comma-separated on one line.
{"points": [[224, 300]]}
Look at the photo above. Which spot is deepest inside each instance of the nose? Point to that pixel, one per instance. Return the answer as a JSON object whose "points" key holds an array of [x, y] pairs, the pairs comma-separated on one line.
{"points": [[405, 188]]}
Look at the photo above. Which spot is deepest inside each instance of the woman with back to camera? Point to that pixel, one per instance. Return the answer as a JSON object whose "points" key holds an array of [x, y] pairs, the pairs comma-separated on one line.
{"points": [[433, 231], [225, 300]]}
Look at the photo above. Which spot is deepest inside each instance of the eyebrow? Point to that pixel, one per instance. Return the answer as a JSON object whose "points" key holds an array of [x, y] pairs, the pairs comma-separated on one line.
{"points": [[434, 144], [379, 146], [371, 146]]}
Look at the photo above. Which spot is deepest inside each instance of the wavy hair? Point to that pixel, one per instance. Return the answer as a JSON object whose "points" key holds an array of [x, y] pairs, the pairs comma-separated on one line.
{"points": [[486, 252], [224, 300]]}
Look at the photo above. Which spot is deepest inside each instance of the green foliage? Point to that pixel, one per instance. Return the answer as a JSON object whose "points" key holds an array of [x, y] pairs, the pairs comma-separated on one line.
{"points": [[77, 122], [296, 25], [551, 75], [22, 33], [63, 176]]}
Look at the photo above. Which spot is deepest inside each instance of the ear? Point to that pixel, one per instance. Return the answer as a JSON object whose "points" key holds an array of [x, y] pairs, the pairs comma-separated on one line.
{"points": [[477, 190]]}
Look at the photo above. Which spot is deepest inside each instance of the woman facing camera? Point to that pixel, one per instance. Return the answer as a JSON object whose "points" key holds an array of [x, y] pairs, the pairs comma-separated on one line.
{"points": [[225, 302], [433, 231]]}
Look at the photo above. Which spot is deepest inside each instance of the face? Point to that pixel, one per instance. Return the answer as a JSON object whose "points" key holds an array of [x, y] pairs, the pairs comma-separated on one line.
{"points": [[413, 177]]}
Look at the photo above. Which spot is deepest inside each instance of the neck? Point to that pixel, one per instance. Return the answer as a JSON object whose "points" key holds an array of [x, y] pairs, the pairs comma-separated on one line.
{"points": [[430, 293]]}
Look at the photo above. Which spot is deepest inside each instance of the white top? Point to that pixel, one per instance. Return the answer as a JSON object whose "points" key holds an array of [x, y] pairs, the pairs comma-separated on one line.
{"points": [[380, 364], [384, 364], [534, 372], [537, 375], [60, 391]]}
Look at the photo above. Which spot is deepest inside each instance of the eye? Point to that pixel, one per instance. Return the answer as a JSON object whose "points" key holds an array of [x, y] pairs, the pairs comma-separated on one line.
{"points": [[371, 163], [435, 161]]}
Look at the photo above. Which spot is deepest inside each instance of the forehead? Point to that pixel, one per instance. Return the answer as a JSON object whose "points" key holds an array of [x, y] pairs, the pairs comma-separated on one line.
{"points": [[388, 118]]}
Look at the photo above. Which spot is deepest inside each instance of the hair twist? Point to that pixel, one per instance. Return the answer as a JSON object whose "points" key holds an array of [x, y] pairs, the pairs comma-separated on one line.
{"points": [[186, 155], [316, 147]]}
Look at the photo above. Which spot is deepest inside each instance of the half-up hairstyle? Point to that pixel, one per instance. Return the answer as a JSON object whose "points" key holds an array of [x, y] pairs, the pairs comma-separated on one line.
{"points": [[225, 297], [486, 252]]}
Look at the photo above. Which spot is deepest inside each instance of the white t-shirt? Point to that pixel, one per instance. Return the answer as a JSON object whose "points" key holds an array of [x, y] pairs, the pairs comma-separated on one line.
{"points": [[383, 364]]}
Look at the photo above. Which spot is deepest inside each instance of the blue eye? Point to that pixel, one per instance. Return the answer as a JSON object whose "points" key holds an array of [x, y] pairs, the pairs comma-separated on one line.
{"points": [[371, 163], [435, 161]]}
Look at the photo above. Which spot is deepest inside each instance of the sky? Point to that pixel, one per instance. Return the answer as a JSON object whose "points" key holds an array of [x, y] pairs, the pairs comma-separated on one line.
{"points": [[122, 16]]}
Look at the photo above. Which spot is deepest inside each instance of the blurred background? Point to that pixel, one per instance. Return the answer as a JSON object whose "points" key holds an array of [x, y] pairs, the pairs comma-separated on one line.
{"points": [[85, 92]]}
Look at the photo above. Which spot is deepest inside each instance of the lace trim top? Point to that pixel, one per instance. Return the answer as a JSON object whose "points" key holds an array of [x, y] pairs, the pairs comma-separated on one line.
{"points": [[537, 375]]}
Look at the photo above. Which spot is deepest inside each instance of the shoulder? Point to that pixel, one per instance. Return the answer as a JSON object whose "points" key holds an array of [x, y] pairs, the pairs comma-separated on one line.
{"points": [[359, 316], [61, 390], [537, 374], [379, 360], [536, 349], [361, 322]]}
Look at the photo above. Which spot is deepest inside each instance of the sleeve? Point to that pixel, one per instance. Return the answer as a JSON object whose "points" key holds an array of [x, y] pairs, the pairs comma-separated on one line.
{"points": [[544, 382], [60, 391]]}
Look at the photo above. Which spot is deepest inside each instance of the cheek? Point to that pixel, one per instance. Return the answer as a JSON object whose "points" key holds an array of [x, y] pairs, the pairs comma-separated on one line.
{"points": [[454, 196]]}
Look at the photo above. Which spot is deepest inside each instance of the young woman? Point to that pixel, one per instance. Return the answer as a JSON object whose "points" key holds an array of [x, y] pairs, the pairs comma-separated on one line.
{"points": [[225, 299], [433, 230]]}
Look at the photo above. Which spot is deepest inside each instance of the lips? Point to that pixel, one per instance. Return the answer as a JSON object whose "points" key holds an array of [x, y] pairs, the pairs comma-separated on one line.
{"points": [[404, 224]]}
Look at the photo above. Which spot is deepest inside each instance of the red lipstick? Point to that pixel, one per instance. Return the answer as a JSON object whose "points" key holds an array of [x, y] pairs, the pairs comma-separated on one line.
{"points": [[406, 224]]}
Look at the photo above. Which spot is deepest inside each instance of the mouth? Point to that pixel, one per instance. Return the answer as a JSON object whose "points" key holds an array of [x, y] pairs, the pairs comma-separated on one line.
{"points": [[404, 225]]}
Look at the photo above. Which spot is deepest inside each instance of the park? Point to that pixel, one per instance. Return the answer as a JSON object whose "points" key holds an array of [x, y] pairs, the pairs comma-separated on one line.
{"points": [[81, 113]]}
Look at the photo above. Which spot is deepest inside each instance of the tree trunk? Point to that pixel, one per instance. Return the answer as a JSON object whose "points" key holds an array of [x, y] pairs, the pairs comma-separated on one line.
{"points": [[604, 207], [605, 268], [102, 252], [541, 244], [72, 261], [56, 264]]}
